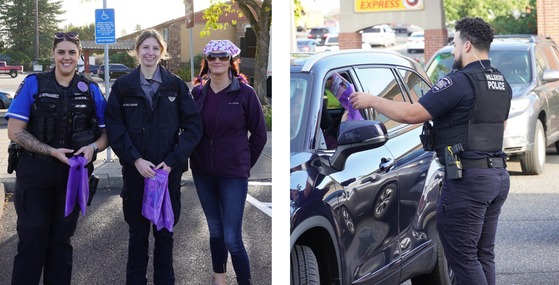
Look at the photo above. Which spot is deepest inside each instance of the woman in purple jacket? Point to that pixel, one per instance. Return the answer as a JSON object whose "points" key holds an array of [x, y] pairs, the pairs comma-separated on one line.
{"points": [[221, 163]]}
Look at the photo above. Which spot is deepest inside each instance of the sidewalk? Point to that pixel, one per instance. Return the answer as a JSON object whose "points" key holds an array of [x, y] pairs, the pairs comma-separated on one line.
{"points": [[109, 172]]}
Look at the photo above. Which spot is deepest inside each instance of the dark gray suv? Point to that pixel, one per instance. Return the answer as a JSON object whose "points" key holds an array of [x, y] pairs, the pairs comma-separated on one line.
{"points": [[363, 192], [531, 66]]}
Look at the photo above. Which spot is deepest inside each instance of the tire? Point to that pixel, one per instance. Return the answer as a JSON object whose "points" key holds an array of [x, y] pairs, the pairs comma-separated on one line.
{"points": [[532, 162], [557, 146], [13, 73], [304, 267]]}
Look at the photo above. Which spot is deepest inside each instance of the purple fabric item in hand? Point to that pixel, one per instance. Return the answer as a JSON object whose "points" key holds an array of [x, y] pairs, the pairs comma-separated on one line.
{"points": [[78, 185], [341, 88], [156, 204]]}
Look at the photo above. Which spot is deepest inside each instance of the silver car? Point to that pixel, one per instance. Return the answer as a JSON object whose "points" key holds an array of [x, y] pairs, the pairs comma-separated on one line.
{"points": [[531, 66]]}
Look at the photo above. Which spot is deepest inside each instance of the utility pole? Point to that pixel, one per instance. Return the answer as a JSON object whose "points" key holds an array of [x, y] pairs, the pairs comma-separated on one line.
{"points": [[36, 33]]}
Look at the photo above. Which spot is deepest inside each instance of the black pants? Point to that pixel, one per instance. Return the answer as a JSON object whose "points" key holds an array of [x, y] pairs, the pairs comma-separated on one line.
{"points": [[139, 228], [43, 231]]}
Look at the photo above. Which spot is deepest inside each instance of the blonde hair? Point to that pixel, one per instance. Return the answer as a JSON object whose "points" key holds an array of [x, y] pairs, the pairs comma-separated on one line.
{"points": [[151, 33]]}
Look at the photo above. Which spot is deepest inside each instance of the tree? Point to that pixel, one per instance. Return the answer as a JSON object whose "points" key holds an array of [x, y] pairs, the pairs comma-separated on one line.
{"points": [[259, 15], [87, 32], [18, 23], [506, 16]]}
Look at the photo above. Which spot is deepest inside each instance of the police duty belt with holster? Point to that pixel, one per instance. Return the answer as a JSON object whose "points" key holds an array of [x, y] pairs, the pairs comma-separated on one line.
{"points": [[453, 165]]}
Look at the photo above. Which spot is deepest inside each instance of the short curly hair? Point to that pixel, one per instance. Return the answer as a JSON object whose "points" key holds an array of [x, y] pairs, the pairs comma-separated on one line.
{"points": [[477, 31]]}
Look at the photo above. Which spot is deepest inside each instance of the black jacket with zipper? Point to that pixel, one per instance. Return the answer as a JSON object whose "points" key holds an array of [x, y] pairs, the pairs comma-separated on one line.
{"points": [[169, 130]]}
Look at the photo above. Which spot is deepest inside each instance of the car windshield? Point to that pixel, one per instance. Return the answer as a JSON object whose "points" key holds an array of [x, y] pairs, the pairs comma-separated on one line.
{"points": [[514, 65], [299, 90]]}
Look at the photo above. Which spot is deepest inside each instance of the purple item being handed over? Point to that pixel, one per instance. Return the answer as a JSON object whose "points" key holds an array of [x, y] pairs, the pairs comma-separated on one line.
{"points": [[78, 185], [341, 88], [156, 204]]}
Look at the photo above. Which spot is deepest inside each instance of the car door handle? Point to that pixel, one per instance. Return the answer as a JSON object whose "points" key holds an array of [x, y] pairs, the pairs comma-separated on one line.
{"points": [[371, 178], [386, 164]]}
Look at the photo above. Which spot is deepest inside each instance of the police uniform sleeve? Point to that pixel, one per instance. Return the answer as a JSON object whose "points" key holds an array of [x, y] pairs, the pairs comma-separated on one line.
{"points": [[100, 105], [446, 94], [191, 125], [23, 101]]}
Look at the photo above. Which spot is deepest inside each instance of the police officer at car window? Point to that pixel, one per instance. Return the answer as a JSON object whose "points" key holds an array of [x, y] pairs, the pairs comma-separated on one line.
{"points": [[55, 115], [469, 109]]}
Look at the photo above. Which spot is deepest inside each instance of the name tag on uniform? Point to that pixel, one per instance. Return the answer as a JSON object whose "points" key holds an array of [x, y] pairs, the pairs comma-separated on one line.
{"points": [[130, 105], [495, 82]]}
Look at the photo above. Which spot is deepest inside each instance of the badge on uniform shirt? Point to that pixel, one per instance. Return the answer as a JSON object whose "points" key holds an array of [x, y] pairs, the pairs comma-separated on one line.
{"points": [[82, 86], [172, 99], [441, 85]]}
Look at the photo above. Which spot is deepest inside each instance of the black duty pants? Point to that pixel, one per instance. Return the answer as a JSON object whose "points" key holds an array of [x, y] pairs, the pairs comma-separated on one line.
{"points": [[139, 229], [43, 231], [467, 216]]}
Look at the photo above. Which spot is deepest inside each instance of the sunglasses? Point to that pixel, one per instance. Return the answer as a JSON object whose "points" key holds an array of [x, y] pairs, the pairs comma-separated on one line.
{"points": [[69, 35], [221, 56]]}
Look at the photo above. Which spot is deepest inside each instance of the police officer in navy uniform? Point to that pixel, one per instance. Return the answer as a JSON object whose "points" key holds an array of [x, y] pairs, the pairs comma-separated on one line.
{"points": [[469, 109], [54, 115]]}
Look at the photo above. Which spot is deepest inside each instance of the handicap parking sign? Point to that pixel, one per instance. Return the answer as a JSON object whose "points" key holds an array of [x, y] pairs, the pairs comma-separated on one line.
{"points": [[105, 26]]}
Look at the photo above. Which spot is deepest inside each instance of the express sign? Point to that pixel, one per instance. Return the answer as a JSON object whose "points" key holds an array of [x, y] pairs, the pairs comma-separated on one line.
{"points": [[387, 5]]}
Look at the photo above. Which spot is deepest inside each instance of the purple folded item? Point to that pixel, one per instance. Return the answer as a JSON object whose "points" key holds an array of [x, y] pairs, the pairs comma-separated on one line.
{"points": [[78, 185], [341, 88], [156, 204]]}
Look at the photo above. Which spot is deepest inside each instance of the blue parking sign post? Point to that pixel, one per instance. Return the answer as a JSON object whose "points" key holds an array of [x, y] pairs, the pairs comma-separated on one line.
{"points": [[105, 26]]}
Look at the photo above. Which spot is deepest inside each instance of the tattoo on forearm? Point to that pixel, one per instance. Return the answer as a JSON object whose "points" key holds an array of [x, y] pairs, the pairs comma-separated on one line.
{"points": [[31, 143]]}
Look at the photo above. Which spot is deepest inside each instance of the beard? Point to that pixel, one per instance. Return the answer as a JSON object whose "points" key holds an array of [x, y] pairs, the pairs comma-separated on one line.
{"points": [[457, 64]]}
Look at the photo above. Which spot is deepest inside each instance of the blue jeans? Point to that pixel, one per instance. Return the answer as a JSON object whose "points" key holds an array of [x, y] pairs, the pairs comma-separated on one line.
{"points": [[223, 201], [467, 216]]}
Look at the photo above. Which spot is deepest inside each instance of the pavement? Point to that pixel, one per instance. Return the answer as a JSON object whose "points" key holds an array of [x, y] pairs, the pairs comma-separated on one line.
{"points": [[108, 168]]}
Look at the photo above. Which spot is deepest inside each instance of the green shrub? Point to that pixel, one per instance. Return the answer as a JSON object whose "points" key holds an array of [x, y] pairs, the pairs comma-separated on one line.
{"points": [[267, 109]]}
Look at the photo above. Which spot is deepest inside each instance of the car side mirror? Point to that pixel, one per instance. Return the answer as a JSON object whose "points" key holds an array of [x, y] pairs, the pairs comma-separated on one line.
{"points": [[356, 136], [550, 75]]}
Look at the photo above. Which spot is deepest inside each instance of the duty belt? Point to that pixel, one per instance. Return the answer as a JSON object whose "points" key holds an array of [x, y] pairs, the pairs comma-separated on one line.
{"points": [[488, 162]]}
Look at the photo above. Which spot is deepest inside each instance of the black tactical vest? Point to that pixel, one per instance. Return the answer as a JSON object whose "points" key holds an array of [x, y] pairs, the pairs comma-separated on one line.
{"points": [[480, 128], [59, 112]]}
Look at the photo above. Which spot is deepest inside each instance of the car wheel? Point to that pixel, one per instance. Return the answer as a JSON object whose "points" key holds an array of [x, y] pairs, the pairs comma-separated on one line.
{"points": [[557, 146], [13, 73], [347, 221], [2, 105], [304, 267], [384, 202], [533, 161]]}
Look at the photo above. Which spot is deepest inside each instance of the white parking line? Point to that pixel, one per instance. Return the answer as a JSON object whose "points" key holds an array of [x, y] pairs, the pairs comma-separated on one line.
{"points": [[264, 207]]}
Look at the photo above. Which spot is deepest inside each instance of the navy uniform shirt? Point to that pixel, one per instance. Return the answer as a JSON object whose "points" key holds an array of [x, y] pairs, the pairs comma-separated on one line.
{"points": [[455, 92]]}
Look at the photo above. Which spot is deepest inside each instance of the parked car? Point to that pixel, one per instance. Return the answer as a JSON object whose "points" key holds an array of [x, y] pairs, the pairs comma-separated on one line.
{"points": [[92, 69], [363, 192], [321, 33], [416, 42], [12, 70], [380, 35], [306, 45], [6, 98], [531, 66], [330, 44], [116, 70]]}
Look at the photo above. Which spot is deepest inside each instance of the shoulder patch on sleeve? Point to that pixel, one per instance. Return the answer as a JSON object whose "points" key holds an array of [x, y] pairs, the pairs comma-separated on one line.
{"points": [[442, 84]]}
